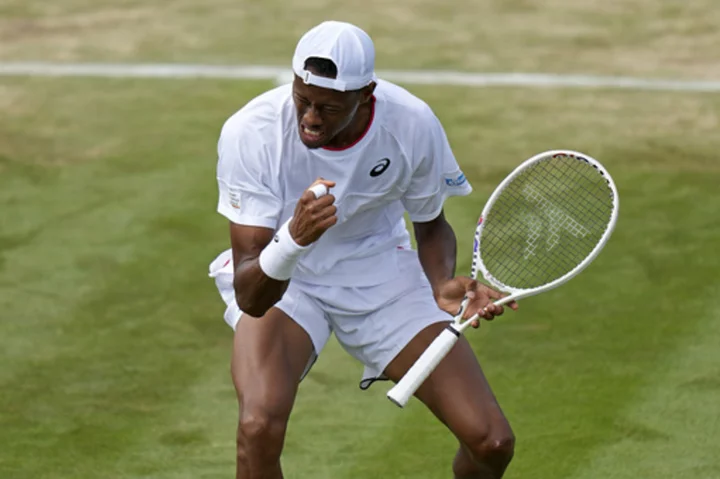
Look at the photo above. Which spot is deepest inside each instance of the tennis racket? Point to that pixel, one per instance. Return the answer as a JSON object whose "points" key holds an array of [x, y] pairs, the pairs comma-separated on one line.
{"points": [[545, 223]]}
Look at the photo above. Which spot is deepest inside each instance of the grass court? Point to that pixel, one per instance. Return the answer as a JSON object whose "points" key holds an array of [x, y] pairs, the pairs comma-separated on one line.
{"points": [[114, 358]]}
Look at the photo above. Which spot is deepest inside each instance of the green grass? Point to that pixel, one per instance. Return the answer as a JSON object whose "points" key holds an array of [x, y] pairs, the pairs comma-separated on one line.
{"points": [[631, 37], [115, 356], [113, 353]]}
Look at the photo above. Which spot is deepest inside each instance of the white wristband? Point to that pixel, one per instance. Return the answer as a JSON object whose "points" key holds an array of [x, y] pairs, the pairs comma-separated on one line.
{"points": [[280, 256]]}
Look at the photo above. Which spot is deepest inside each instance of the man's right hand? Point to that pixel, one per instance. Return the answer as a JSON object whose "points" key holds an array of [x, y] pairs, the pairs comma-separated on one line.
{"points": [[313, 216]]}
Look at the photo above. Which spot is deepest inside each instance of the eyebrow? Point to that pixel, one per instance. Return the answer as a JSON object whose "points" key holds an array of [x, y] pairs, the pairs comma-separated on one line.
{"points": [[330, 104]]}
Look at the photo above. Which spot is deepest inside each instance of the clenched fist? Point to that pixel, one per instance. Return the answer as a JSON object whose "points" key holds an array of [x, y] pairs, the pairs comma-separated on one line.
{"points": [[313, 216]]}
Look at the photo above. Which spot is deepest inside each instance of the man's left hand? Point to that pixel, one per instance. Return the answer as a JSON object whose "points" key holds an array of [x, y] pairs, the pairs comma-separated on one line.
{"points": [[451, 294]]}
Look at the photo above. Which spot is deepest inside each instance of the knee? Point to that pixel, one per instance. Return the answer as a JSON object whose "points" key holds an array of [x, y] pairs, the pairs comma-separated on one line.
{"points": [[493, 447], [499, 447], [260, 432]]}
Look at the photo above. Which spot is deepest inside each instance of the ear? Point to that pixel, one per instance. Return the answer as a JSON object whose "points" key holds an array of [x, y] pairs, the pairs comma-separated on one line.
{"points": [[367, 92]]}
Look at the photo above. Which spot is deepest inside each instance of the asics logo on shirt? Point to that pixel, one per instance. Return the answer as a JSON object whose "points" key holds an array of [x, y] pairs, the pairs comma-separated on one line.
{"points": [[380, 168]]}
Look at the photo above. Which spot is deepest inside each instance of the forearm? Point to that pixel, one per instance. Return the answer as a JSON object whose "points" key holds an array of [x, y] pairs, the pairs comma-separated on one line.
{"points": [[262, 275], [437, 250], [255, 291]]}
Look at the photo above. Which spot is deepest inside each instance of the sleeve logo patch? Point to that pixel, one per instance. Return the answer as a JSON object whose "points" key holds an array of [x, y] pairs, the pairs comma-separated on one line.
{"points": [[459, 181], [234, 199]]}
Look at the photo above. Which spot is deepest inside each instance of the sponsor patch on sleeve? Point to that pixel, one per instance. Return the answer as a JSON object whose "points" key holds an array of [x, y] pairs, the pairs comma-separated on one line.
{"points": [[456, 181], [234, 198]]}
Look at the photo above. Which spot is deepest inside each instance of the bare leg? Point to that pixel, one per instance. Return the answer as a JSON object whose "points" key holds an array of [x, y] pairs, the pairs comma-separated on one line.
{"points": [[460, 396], [269, 356]]}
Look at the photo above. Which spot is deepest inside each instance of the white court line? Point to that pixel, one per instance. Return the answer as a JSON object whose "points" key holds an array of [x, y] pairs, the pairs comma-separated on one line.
{"points": [[282, 75]]}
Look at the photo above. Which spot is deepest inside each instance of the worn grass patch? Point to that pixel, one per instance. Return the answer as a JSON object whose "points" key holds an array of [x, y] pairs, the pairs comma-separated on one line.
{"points": [[636, 37]]}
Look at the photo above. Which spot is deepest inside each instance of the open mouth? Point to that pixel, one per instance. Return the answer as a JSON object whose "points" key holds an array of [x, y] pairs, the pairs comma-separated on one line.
{"points": [[310, 134]]}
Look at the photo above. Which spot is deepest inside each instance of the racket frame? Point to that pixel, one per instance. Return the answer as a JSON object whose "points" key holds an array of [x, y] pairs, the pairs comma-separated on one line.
{"points": [[401, 393], [520, 293]]}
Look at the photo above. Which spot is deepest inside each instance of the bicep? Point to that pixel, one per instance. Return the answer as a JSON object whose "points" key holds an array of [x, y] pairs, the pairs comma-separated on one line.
{"points": [[426, 229], [248, 241]]}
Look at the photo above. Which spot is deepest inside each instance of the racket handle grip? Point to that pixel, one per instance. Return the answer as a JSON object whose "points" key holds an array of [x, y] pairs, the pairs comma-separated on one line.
{"points": [[401, 393]]}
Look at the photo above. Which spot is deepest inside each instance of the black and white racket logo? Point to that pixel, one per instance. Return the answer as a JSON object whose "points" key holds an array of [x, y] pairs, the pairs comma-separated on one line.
{"points": [[558, 221], [380, 168]]}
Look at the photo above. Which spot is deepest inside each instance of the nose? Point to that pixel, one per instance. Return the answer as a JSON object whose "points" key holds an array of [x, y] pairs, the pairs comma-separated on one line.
{"points": [[311, 117]]}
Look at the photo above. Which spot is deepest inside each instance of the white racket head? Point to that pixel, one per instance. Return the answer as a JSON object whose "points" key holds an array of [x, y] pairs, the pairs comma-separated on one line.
{"points": [[541, 226], [545, 223]]}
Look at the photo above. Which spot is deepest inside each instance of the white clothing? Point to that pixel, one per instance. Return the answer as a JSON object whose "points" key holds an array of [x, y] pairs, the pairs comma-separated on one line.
{"points": [[347, 46], [402, 163], [360, 280], [373, 324]]}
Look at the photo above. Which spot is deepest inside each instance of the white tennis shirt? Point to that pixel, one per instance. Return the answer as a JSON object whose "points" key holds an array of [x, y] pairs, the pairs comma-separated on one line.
{"points": [[403, 162]]}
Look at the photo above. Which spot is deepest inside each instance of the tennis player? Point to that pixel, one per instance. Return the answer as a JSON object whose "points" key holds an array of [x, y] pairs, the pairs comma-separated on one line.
{"points": [[305, 264]]}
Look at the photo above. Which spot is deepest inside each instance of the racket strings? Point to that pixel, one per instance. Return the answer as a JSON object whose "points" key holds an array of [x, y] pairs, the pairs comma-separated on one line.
{"points": [[545, 222], [543, 234]]}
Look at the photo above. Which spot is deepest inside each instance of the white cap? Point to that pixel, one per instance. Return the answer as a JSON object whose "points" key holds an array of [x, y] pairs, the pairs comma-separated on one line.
{"points": [[347, 46]]}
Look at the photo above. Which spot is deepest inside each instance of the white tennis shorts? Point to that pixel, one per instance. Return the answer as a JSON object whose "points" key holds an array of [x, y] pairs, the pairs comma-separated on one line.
{"points": [[373, 324]]}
